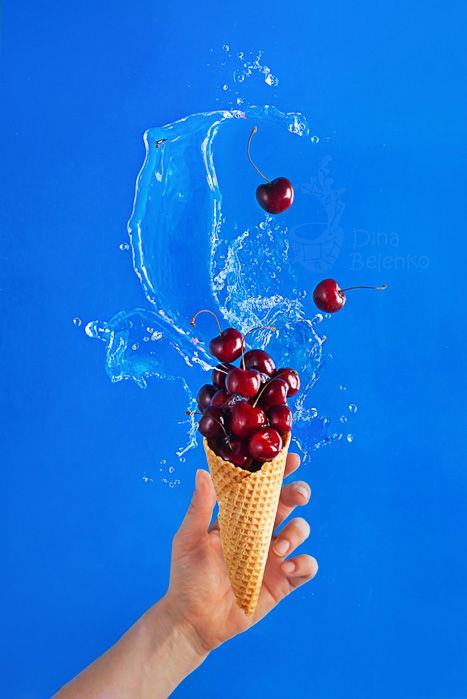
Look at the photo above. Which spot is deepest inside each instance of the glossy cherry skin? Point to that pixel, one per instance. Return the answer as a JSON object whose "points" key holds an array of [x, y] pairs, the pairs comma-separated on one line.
{"points": [[210, 424], [274, 393], [280, 417], [226, 401], [244, 381], [245, 419], [261, 360], [265, 444], [292, 378], [275, 196], [328, 297], [227, 346], [205, 395], [219, 374], [219, 398], [236, 452]]}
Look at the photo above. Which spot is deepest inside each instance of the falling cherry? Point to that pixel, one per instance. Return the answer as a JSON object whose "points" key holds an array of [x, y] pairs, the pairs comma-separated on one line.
{"points": [[330, 298], [276, 195]]}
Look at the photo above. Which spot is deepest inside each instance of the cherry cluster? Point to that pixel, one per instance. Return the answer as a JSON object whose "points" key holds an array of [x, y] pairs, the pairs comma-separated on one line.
{"points": [[244, 411]]}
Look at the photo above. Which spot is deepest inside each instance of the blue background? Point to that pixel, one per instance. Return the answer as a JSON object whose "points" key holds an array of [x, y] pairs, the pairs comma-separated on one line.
{"points": [[86, 541]]}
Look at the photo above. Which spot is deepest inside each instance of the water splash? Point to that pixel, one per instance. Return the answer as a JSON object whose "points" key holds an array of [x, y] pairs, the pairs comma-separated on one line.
{"points": [[191, 251]]}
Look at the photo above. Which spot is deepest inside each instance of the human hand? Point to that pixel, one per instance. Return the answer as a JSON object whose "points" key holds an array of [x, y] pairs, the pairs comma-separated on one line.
{"points": [[200, 595]]}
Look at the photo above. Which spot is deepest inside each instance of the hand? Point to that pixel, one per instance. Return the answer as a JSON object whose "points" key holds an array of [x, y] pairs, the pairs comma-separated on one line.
{"points": [[200, 596]]}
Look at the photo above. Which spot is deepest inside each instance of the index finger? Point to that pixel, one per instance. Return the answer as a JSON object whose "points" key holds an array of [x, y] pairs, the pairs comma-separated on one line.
{"points": [[291, 465]]}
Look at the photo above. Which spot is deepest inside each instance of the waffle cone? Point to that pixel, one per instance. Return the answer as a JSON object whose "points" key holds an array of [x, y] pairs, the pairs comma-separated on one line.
{"points": [[247, 510]]}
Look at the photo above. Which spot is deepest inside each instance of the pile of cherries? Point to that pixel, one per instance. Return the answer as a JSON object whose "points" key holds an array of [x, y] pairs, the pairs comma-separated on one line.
{"points": [[244, 411]]}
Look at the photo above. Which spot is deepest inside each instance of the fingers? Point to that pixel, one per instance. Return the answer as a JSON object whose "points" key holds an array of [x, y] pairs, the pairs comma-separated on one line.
{"points": [[300, 569], [199, 513], [291, 465], [292, 495], [291, 536]]}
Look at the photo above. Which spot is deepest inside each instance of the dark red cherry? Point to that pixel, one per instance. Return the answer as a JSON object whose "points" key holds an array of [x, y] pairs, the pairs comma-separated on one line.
{"points": [[219, 374], [261, 360], [228, 346], [219, 398], [275, 196], [280, 417], [244, 381], [273, 393], [236, 452], [330, 298], [292, 378], [211, 424], [245, 419], [265, 444], [205, 395]]}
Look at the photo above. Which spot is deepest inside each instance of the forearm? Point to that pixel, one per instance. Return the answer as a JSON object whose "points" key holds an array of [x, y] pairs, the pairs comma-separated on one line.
{"points": [[150, 660]]}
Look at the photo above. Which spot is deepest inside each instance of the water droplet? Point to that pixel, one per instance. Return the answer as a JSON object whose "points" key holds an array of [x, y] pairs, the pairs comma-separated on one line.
{"points": [[239, 100], [327, 315], [164, 461], [349, 438], [171, 469], [77, 322], [326, 421], [270, 79], [226, 47], [225, 87], [314, 139], [313, 412], [343, 418], [124, 247], [318, 318], [135, 346], [353, 408], [343, 387]]}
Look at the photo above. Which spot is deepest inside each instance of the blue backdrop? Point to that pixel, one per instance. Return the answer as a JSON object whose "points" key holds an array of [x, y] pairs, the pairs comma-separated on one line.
{"points": [[86, 540]]}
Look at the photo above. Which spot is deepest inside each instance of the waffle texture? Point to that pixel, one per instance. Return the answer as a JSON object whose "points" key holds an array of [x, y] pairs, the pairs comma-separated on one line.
{"points": [[247, 510]]}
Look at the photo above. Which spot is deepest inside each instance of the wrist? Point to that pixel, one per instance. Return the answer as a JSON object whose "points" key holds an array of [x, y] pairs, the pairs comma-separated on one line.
{"points": [[184, 649]]}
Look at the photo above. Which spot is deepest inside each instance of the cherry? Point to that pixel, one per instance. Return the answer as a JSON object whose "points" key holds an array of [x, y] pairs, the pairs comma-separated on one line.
{"points": [[211, 424], [292, 378], [247, 382], [219, 374], [205, 395], [225, 401], [330, 298], [280, 417], [219, 398], [261, 360], [228, 345], [245, 419], [235, 451], [265, 444], [273, 393], [276, 195]]}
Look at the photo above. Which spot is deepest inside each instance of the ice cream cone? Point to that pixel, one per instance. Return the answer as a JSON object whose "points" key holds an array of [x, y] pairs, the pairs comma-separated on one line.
{"points": [[247, 510]]}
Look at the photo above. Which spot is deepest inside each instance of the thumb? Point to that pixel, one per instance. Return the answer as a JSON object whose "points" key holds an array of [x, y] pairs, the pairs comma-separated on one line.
{"points": [[199, 513]]}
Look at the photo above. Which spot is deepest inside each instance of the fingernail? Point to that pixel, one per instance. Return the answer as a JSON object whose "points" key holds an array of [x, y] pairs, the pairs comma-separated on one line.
{"points": [[288, 567], [281, 547], [198, 478], [303, 490]]}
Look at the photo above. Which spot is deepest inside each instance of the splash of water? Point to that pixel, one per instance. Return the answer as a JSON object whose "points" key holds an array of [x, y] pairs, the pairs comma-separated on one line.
{"points": [[189, 254]]}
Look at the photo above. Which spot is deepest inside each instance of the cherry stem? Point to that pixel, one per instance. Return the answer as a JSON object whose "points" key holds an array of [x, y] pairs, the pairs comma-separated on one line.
{"points": [[160, 142], [253, 131], [349, 288], [258, 327], [204, 310], [276, 376]]}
